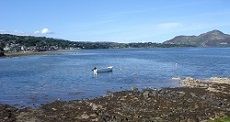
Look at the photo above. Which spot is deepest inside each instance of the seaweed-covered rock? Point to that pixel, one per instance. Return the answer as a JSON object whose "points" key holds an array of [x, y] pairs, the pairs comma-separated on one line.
{"points": [[188, 104], [7, 113]]}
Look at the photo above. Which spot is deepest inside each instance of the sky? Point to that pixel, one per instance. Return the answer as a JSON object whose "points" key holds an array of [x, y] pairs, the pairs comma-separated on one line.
{"points": [[114, 20]]}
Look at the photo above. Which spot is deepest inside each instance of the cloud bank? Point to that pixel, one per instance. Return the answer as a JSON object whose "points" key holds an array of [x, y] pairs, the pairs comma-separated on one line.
{"points": [[44, 31]]}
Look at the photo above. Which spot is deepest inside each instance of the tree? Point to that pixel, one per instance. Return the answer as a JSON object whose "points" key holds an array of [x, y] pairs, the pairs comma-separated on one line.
{"points": [[1, 49]]}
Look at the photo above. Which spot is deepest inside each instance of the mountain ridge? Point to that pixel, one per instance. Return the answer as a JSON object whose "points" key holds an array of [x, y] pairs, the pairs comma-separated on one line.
{"points": [[214, 38]]}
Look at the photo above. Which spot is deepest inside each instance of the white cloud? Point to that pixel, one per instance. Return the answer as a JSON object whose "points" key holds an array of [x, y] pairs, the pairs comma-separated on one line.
{"points": [[36, 32], [14, 32], [2, 31], [45, 31]]}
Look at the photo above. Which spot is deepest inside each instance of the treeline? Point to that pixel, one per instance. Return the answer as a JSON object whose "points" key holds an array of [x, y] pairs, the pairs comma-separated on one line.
{"points": [[7, 39], [1, 51], [23, 43]]}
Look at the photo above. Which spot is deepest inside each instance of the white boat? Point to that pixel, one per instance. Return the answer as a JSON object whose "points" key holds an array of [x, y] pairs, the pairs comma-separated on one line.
{"points": [[108, 69]]}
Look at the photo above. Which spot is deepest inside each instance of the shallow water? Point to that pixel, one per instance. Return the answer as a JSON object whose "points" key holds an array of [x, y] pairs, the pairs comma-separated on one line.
{"points": [[35, 80]]}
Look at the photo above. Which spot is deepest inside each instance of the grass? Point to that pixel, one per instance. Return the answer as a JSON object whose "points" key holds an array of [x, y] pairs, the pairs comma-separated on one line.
{"points": [[223, 119]]}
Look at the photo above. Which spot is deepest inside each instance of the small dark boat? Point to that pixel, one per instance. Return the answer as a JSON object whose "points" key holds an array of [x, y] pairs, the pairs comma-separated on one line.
{"points": [[108, 69]]}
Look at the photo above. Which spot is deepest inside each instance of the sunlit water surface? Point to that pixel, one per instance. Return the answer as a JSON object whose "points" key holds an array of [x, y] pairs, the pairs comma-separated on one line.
{"points": [[35, 80]]}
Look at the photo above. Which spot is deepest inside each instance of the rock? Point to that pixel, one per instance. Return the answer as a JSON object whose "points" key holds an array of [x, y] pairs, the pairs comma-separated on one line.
{"points": [[95, 120], [181, 93], [204, 97], [189, 79], [183, 120], [196, 106], [228, 109], [146, 94], [123, 98], [204, 121], [54, 109], [174, 101], [193, 95], [94, 106], [134, 89], [220, 103], [157, 119], [154, 93], [93, 115], [189, 100], [191, 120], [84, 116], [27, 117]]}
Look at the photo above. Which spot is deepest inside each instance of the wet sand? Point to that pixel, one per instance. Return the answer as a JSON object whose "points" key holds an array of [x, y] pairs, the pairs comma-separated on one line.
{"points": [[196, 100]]}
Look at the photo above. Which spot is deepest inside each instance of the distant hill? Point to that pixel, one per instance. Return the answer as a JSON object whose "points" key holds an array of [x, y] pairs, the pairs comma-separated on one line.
{"points": [[13, 43], [213, 38]]}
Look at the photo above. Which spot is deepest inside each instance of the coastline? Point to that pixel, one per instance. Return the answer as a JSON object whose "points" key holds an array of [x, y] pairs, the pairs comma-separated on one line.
{"points": [[31, 53], [195, 100], [27, 53]]}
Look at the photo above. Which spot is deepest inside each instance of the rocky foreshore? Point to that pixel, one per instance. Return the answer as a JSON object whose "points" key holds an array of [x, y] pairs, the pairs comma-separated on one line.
{"points": [[196, 100]]}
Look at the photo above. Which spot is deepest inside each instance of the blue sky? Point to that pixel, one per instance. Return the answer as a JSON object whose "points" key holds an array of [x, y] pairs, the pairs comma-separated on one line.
{"points": [[113, 20]]}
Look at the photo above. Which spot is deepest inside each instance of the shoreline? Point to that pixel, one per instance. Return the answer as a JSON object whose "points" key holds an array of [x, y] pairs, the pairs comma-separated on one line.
{"points": [[31, 53], [195, 100]]}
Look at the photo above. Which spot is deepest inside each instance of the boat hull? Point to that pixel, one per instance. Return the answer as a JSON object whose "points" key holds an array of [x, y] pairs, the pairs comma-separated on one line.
{"points": [[104, 70]]}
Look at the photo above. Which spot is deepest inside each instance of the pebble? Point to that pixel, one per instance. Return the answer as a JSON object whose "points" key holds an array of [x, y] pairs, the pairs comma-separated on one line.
{"points": [[93, 115], [94, 106], [95, 120], [191, 120], [196, 106], [192, 94], [84, 116], [54, 109], [146, 94], [134, 88], [181, 93]]}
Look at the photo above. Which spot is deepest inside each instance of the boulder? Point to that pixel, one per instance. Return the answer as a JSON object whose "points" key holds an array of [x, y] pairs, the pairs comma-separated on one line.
{"points": [[146, 94]]}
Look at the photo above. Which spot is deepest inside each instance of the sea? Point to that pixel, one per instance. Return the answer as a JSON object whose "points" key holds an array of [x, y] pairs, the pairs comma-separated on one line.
{"points": [[30, 81]]}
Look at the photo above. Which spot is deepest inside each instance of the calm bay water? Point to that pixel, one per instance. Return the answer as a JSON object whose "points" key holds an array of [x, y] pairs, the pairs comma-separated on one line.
{"points": [[34, 80]]}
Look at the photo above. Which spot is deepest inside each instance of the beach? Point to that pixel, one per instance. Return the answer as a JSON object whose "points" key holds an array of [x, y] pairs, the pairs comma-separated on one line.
{"points": [[195, 100]]}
